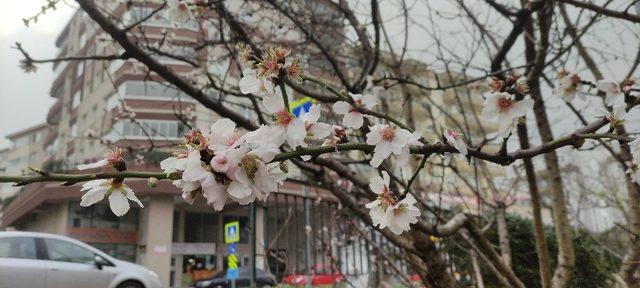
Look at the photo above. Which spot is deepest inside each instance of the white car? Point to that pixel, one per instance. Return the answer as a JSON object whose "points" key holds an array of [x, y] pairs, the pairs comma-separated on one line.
{"points": [[39, 260]]}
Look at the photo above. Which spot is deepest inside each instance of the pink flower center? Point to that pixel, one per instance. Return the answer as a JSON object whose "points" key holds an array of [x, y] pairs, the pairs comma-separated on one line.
{"points": [[504, 104], [575, 79], [283, 117], [453, 134], [388, 134], [114, 156]]}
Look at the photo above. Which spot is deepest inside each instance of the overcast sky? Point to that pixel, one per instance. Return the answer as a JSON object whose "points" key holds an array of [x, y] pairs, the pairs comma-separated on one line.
{"points": [[25, 97]]}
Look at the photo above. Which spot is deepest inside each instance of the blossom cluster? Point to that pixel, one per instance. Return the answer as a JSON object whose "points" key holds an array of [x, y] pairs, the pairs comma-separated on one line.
{"points": [[615, 95], [221, 164], [387, 211], [502, 104], [569, 85]]}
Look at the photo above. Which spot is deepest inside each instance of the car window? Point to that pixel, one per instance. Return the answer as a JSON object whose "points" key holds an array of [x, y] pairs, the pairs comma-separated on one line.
{"points": [[68, 252], [18, 247]]}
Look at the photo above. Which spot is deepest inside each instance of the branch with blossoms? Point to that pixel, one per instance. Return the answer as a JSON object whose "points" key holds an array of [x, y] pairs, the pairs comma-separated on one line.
{"points": [[221, 164]]}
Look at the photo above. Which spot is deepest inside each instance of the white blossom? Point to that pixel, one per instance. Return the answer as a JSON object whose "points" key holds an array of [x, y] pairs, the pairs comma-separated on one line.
{"points": [[378, 207], [119, 195], [292, 127], [352, 117], [198, 171], [568, 86], [455, 138], [385, 211], [252, 83], [387, 140], [402, 214], [27, 66], [611, 90], [222, 135], [502, 108], [315, 130], [178, 11], [405, 153]]}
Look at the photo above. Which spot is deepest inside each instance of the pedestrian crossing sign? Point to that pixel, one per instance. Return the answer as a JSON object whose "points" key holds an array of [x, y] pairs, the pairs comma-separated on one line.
{"points": [[232, 232]]}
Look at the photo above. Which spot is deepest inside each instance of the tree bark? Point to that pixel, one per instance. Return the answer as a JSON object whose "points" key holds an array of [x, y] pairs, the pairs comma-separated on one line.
{"points": [[544, 259], [503, 233], [476, 269], [433, 269]]}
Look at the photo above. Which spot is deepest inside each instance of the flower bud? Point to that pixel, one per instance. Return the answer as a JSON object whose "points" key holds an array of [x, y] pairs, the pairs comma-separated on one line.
{"points": [[152, 182]]}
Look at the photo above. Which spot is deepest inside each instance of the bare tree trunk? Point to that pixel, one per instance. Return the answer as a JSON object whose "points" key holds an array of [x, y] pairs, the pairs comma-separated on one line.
{"points": [[503, 233], [476, 269], [432, 267], [566, 254], [544, 259]]}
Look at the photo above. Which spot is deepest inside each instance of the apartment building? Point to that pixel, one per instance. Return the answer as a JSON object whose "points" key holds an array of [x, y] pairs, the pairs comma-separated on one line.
{"points": [[25, 151], [94, 105]]}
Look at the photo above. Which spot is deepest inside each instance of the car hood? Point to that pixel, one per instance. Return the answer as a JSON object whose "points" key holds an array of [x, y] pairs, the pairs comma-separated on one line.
{"points": [[128, 266]]}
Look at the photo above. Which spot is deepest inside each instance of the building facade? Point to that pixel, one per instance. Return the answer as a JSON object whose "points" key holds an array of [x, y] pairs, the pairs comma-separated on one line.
{"points": [[100, 104], [26, 151]]}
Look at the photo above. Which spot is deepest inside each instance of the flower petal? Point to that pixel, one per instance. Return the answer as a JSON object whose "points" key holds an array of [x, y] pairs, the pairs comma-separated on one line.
{"points": [[341, 107], [223, 126], [132, 196], [320, 130], [273, 103], [100, 163], [353, 120], [118, 203], [93, 196]]}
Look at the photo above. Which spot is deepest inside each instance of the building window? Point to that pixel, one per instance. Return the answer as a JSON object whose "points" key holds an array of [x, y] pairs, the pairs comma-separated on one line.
{"points": [[33, 157], [142, 89], [80, 69], [200, 227], [73, 130], [35, 137], [157, 129], [136, 14], [75, 100], [100, 216], [21, 141]]}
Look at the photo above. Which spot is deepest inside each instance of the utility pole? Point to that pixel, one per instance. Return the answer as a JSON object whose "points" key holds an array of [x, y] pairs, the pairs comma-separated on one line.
{"points": [[307, 248], [253, 243]]}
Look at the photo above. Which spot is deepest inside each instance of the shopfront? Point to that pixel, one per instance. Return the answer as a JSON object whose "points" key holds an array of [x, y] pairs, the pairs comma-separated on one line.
{"points": [[99, 227], [197, 251]]}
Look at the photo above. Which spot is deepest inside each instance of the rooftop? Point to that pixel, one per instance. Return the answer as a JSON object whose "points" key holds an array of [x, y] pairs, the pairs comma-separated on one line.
{"points": [[27, 130]]}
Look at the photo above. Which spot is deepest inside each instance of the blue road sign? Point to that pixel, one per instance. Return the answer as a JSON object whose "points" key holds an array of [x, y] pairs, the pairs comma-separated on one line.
{"points": [[232, 274], [232, 248]]}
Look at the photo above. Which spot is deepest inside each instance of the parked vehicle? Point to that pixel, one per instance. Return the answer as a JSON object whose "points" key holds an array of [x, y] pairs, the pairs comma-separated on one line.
{"points": [[39, 260], [321, 274], [263, 279]]}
